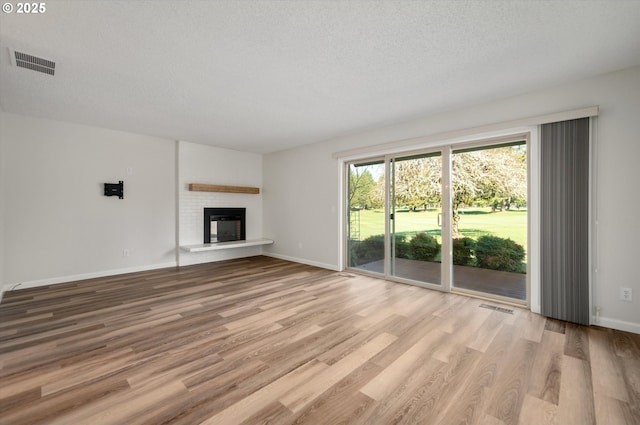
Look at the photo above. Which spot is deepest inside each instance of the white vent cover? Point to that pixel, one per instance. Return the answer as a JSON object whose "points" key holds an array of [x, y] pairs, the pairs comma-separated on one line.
{"points": [[34, 63]]}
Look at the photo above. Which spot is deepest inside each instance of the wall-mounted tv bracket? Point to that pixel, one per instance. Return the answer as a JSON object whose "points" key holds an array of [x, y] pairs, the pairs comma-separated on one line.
{"points": [[114, 189]]}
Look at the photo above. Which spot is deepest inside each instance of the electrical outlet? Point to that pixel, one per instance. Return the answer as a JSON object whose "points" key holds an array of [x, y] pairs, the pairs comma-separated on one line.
{"points": [[626, 294], [126, 252]]}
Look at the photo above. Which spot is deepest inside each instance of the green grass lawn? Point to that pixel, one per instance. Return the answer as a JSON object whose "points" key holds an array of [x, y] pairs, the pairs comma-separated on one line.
{"points": [[474, 222]]}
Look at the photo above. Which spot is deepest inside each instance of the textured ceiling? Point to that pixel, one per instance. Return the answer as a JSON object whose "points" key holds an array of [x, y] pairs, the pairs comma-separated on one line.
{"points": [[263, 76]]}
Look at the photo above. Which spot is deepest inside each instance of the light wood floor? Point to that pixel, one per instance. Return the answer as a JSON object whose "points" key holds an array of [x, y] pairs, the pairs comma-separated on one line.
{"points": [[264, 341]]}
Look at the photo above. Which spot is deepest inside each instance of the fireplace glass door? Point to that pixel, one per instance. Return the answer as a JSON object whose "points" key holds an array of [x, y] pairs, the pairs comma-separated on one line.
{"points": [[225, 229]]}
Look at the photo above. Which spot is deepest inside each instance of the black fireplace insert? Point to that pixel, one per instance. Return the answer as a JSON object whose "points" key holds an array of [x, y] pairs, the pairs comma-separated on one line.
{"points": [[224, 224]]}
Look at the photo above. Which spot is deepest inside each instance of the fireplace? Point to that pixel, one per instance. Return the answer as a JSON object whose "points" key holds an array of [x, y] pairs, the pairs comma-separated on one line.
{"points": [[224, 224]]}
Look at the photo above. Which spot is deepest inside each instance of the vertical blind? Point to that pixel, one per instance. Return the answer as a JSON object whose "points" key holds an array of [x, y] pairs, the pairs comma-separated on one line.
{"points": [[564, 187]]}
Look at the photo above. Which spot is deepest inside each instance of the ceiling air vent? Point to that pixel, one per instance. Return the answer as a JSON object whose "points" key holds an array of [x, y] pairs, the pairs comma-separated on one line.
{"points": [[34, 63]]}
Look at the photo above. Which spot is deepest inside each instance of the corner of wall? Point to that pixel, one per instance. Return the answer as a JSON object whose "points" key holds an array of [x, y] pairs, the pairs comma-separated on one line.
{"points": [[302, 261]]}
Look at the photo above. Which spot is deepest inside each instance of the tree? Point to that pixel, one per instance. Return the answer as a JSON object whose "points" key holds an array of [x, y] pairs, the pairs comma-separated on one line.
{"points": [[417, 182], [488, 176], [470, 170], [378, 193], [495, 177], [361, 186], [508, 180]]}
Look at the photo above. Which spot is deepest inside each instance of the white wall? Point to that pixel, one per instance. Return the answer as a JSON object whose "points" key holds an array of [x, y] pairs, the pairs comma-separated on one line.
{"points": [[302, 205], [302, 186], [206, 164], [59, 226]]}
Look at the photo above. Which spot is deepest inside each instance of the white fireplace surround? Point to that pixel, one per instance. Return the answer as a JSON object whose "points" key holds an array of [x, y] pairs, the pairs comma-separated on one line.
{"points": [[204, 164], [220, 245]]}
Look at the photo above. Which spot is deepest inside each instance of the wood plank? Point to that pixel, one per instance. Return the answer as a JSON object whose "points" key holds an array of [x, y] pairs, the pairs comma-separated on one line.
{"points": [[473, 400], [546, 380], [397, 372], [537, 411], [260, 399], [512, 382], [576, 402], [577, 341], [396, 407], [199, 187], [611, 411], [298, 398], [608, 376], [342, 403]]}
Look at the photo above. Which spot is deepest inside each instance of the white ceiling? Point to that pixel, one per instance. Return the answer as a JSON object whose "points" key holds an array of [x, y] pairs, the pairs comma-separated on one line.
{"points": [[263, 76]]}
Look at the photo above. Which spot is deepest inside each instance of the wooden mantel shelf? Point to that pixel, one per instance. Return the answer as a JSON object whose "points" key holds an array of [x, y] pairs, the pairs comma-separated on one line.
{"points": [[198, 187]]}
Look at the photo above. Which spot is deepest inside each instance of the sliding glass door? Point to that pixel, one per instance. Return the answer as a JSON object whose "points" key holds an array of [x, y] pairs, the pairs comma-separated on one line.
{"points": [[454, 218], [489, 220], [366, 199], [415, 219]]}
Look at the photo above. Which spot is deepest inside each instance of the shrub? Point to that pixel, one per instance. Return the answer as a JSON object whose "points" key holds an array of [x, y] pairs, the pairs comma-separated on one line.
{"points": [[463, 251], [372, 249], [497, 253], [402, 246], [423, 247], [366, 251], [353, 252]]}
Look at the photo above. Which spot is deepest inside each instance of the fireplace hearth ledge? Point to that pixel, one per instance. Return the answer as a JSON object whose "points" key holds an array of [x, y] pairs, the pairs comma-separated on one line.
{"points": [[225, 245]]}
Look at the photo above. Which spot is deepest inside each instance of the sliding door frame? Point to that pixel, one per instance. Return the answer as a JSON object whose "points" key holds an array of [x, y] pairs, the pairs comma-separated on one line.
{"points": [[445, 266], [531, 137], [530, 248], [345, 213]]}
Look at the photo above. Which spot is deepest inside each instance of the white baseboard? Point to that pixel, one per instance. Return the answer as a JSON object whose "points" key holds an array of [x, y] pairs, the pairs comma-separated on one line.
{"points": [[302, 261], [84, 276], [620, 325]]}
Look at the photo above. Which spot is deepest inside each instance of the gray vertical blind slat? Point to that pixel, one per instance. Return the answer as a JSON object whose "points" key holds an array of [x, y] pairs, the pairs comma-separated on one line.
{"points": [[565, 220]]}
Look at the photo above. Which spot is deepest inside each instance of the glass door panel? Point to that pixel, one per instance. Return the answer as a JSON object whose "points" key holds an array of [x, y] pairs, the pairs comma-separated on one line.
{"points": [[366, 216], [489, 220], [415, 219]]}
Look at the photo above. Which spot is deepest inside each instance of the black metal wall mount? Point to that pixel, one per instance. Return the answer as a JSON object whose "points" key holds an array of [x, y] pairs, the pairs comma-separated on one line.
{"points": [[114, 189]]}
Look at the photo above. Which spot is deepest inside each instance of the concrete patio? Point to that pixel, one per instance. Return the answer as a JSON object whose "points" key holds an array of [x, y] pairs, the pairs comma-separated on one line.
{"points": [[494, 282]]}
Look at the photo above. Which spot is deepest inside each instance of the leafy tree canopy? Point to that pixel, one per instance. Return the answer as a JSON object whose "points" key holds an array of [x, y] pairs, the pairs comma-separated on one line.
{"points": [[493, 176]]}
